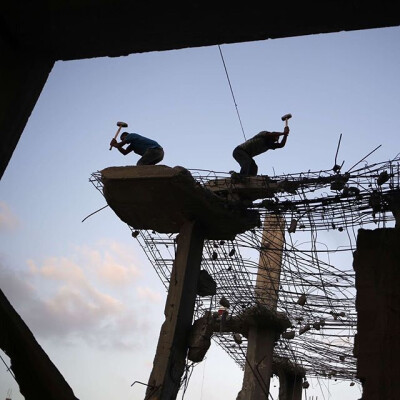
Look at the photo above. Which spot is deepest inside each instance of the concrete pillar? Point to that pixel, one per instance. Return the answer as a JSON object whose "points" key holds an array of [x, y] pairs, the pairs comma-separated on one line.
{"points": [[22, 77], [169, 361], [290, 385], [269, 265], [261, 339], [377, 345]]}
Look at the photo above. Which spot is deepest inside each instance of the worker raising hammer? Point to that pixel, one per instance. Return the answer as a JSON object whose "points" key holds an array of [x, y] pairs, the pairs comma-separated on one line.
{"points": [[150, 151], [259, 144]]}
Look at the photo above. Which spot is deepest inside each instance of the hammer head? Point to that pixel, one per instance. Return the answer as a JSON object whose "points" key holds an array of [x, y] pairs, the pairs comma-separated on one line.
{"points": [[286, 117], [122, 124]]}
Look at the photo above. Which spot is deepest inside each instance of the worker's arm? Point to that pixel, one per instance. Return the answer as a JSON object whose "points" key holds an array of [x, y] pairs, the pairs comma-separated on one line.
{"points": [[285, 134], [120, 147]]}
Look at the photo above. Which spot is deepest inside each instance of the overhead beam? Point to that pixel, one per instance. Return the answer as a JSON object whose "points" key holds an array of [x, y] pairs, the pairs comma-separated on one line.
{"points": [[82, 29], [37, 376], [22, 77], [33, 35]]}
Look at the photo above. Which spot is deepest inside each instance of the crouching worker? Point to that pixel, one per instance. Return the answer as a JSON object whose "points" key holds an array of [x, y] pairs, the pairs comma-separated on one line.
{"points": [[258, 144], [150, 151]]}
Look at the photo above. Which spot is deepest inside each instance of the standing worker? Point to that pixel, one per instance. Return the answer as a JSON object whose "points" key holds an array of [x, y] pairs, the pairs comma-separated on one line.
{"points": [[150, 151], [259, 144]]}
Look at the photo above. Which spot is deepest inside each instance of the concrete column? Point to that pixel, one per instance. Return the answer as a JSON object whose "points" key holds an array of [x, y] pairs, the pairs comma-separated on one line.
{"points": [[169, 361], [22, 77], [261, 339], [290, 385], [269, 265]]}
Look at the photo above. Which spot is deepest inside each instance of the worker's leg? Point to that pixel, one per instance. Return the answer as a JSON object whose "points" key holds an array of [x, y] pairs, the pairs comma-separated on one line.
{"points": [[244, 160], [151, 156], [253, 169]]}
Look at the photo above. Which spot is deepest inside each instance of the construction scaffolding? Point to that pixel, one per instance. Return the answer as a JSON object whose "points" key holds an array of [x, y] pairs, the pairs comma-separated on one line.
{"points": [[322, 211]]}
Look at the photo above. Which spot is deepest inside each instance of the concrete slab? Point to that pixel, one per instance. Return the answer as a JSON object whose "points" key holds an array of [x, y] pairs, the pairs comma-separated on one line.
{"points": [[161, 198], [250, 187]]}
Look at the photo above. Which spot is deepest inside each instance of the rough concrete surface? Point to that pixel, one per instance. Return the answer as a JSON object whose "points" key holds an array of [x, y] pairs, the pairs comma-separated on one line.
{"points": [[161, 198]]}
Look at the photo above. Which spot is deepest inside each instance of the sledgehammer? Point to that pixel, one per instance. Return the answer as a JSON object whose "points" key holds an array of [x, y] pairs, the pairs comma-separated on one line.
{"points": [[285, 118], [120, 125]]}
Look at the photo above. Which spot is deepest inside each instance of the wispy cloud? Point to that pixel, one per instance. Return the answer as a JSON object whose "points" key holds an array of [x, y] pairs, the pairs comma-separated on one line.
{"points": [[148, 294], [90, 296], [8, 220], [113, 264]]}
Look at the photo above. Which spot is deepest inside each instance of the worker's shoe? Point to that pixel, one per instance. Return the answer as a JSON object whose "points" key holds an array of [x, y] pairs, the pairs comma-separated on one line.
{"points": [[236, 177]]}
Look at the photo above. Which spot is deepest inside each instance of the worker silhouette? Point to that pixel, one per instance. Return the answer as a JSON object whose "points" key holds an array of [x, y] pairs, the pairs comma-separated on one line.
{"points": [[150, 151], [258, 144]]}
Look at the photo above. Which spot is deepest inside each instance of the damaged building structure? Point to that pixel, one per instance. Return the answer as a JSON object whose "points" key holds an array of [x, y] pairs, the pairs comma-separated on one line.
{"points": [[209, 215]]}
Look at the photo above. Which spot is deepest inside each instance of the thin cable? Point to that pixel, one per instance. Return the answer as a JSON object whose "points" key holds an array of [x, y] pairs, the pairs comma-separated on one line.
{"points": [[376, 148], [337, 150], [202, 381], [233, 96], [8, 368], [102, 208]]}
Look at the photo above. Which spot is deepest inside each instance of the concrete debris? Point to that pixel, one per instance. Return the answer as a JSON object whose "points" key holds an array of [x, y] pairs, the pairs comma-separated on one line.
{"points": [[206, 285], [200, 338]]}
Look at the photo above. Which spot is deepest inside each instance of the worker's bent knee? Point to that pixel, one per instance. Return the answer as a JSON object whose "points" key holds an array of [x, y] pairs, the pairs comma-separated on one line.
{"points": [[151, 157]]}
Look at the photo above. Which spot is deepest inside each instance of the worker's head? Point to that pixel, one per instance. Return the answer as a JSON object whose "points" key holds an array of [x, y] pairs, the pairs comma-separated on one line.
{"points": [[123, 135]]}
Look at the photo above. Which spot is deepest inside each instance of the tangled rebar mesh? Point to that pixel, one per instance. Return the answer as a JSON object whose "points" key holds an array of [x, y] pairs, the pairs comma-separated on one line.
{"points": [[316, 288]]}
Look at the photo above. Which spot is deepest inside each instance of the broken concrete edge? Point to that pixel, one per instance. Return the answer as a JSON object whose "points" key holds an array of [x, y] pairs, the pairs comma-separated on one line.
{"points": [[177, 172], [190, 202], [199, 338], [152, 171], [250, 188], [257, 315], [263, 317], [243, 188], [204, 327], [367, 240], [286, 365]]}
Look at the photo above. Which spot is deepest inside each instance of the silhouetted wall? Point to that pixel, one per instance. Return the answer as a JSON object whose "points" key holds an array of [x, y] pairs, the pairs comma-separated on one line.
{"points": [[377, 267]]}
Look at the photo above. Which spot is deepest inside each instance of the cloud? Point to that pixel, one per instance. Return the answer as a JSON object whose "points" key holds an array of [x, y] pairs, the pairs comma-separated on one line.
{"points": [[16, 287], [114, 264], [58, 269], [8, 220], [89, 296], [148, 294]]}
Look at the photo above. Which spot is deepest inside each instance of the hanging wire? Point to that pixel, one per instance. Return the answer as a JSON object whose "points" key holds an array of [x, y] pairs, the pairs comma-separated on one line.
{"points": [[233, 96], [8, 368]]}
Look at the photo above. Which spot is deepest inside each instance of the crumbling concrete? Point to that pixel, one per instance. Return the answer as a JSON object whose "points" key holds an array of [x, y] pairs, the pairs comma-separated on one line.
{"points": [[200, 337], [173, 343], [290, 377], [162, 198]]}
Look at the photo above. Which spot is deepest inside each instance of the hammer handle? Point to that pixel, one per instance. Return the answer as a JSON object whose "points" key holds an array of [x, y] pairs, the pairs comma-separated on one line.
{"points": [[116, 135]]}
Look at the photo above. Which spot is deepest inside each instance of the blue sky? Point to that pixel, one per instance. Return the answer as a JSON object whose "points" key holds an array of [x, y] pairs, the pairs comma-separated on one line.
{"points": [[86, 290]]}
